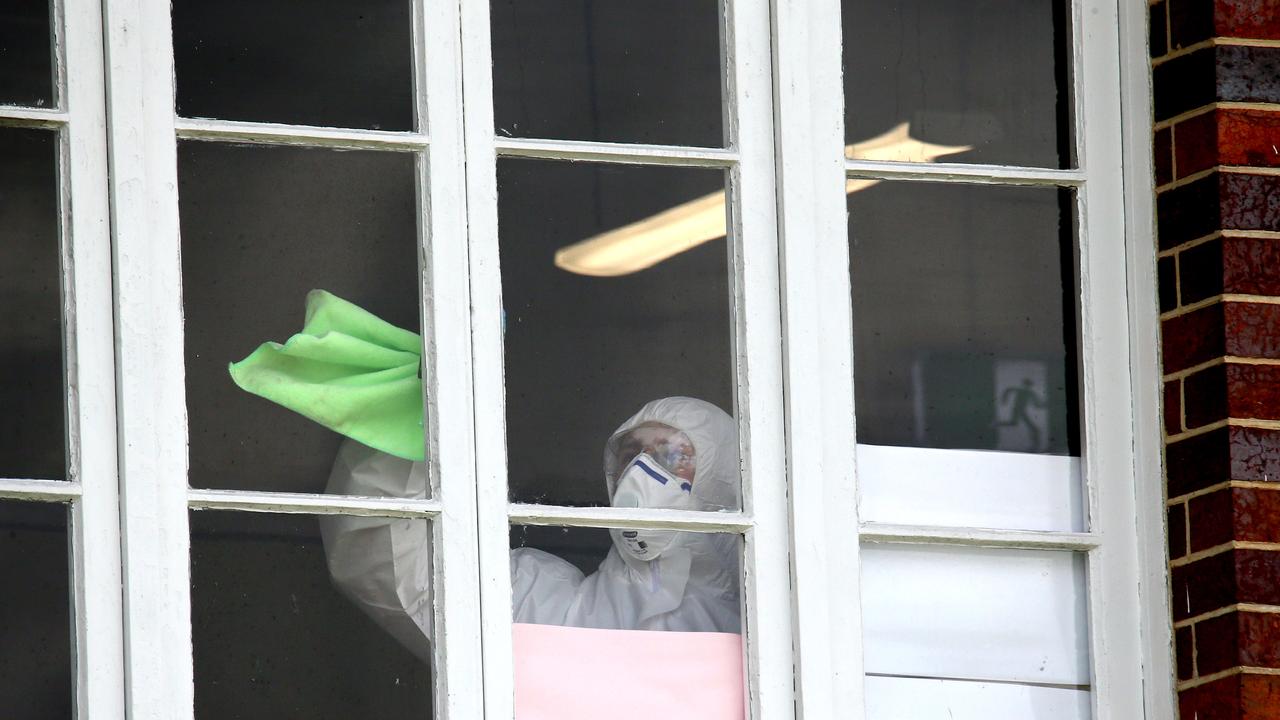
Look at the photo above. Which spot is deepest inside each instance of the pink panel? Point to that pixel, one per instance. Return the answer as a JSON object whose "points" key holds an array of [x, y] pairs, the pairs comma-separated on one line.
{"points": [[566, 673]]}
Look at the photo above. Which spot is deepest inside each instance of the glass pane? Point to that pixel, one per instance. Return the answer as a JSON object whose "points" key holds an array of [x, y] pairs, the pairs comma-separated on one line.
{"points": [[1008, 638], [615, 281], [964, 328], [261, 227], [35, 612], [586, 607], [608, 70], [32, 426], [26, 54], [321, 62], [278, 634], [988, 80]]}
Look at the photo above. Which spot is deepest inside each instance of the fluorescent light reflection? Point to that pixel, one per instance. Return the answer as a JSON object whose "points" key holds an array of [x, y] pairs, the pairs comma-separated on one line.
{"points": [[645, 243]]}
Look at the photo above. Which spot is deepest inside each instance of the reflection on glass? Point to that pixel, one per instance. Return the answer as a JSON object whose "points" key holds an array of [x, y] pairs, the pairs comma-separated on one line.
{"points": [[1008, 638], [964, 317], [261, 227], [584, 353], [322, 62], [26, 54], [991, 75], [32, 435], [273, 637], [35, 612], [608, 70]]}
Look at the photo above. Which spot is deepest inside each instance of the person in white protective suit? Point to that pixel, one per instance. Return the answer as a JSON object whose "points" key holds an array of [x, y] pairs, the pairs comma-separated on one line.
{"points": [[676, 453]]}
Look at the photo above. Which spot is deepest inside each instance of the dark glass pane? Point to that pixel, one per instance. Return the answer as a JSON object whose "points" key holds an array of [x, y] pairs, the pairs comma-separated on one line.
{"points": [[274, 638], [609, 70], [599, 323], [324, 62], [964, 317], [26, 55], [261, 226], [991, 75], [32, 430], [35, 612]]}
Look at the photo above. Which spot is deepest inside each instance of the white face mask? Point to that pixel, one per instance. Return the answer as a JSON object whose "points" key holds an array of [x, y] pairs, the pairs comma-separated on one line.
{"points": [[646, 484]]}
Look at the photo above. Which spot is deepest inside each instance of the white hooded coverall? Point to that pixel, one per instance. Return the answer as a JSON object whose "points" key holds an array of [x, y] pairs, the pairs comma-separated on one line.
{"points": [[384, 564]]}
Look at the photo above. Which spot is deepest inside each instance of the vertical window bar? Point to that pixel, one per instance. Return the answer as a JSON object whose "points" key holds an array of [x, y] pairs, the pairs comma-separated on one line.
{"points": [[151, 394], [94, 525], [818, 375], [752, 223], [447, 372], [1107, 415]]}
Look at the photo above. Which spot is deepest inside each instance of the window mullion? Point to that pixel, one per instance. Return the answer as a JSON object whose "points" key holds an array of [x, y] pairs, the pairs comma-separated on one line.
{"points": [[151, 393], [817, 344]]}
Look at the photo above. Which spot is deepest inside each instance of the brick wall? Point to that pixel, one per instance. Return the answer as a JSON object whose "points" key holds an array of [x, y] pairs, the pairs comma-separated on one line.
{"points": [[1216, 79]]}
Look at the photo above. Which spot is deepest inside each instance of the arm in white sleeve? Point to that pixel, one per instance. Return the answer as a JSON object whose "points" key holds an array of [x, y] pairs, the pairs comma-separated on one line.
{"points": [[383, 565]]}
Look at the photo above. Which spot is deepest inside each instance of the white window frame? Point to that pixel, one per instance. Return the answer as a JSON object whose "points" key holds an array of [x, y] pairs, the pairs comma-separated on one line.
{"points": [[125, 374], [77, 118]]}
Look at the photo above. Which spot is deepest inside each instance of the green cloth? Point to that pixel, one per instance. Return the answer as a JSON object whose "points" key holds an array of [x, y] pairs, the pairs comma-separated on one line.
{"points": [[349, 371]]}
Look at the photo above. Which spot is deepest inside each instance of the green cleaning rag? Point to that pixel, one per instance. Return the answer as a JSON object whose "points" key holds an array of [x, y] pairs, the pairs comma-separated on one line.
{"points": [[347, 370]]}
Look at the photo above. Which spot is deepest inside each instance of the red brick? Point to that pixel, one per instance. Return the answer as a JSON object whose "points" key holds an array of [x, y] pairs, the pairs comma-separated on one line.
{"points": [[1252, 391], [1233, 576], [1255, 19], [1200, 271], [1188, 212], [1198, 462], [1177, 529], [1246, 137], [1251, 329], [1259, 697], [1256, 514], [1257, 576], [1195, 144], [1173, 407], [1217, 700], [1217, 644], [1259, 639], [1162, 148], [1184, 653], [1249, 202], [1205, 397], [1159, 29], [1255, 454], [1249, 266], [1212, 519], [1190, 22], [1193, 338]]}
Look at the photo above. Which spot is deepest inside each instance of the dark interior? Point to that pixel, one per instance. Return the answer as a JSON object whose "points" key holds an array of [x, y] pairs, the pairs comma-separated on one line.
{"points": [[26, 55]]}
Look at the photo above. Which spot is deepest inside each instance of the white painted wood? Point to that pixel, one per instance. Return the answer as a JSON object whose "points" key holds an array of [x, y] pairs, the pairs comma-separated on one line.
{"points": [[311, 136], [969, 488], [529, 514], [90, 364], [283, 502], [975, 613], [960, 172], [817, 343], [48, 490], [623, 153], [12, 116], [447, 371], [1144, 328], [1107, 415], [975, 537], [487, 364], [899, 698], [756, 313], [151, 409]]}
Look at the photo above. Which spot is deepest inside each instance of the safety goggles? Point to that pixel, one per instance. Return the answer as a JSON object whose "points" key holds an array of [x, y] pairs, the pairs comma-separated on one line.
{"points": [[668, 447]]}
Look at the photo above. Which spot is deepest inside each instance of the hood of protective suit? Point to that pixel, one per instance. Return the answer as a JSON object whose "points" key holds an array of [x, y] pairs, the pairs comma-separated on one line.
{"points": [[714, 434]]}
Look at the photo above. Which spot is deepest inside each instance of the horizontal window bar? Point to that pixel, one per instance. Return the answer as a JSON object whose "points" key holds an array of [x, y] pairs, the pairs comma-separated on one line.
{"points": [[976, 537], [302, 503], [311, 136], [43, 490], [624, 153], [31, 117], [958, 172], [611, 517]]}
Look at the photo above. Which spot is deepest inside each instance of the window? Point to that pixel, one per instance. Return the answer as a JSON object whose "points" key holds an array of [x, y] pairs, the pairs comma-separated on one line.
{"points": [[894, 300]]}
